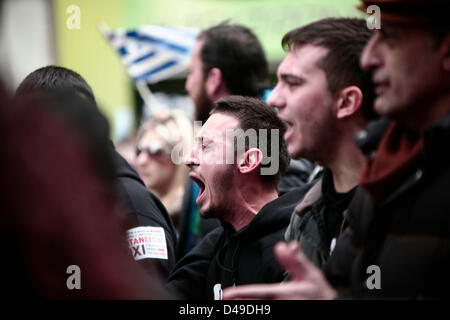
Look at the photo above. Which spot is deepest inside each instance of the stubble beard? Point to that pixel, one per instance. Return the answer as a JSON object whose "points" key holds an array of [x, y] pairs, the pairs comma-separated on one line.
{"points": [[221, 207]]}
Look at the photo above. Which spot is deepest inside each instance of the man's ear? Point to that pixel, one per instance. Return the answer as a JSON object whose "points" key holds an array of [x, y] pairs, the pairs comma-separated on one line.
{"points": [[348, 102], [214, 82], [250, 161]]}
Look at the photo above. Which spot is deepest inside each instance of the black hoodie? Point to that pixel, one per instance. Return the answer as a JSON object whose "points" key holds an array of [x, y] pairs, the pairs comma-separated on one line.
{"points": [[225, 258], [144, 209]]}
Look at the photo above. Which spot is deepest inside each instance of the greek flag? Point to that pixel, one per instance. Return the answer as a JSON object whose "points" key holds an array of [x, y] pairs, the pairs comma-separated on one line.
{"points": [[153, 53]]}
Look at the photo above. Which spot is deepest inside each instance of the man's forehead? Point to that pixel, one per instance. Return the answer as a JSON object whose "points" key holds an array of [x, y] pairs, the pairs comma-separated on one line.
{"points": [[199, 44], [403, 29], [217, 124], [301, 58], [196, 51]]}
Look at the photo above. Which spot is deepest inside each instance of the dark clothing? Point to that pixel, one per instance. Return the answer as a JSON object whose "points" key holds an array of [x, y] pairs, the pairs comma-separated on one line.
{"points": [[296, 176], [369, 138], [58, 213], [406, 236], [142, 208], [225, 257], [319, 218], [397, 157]]}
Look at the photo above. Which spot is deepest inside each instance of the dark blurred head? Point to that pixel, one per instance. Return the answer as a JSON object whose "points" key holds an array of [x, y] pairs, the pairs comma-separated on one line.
{"points": [[56, 209], [70, 98], [236, 51], [52, 78], [83, 118], [238, 54]]}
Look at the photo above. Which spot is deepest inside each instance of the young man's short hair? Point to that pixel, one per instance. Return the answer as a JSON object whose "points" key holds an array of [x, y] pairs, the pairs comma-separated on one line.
{"points": [[345, 39], [55, 78]]}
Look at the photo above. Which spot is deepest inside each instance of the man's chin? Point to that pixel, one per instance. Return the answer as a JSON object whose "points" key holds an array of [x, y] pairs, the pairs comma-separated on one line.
{"points": [[383, 107], [294, 152], [205, 213], [210, 212]]}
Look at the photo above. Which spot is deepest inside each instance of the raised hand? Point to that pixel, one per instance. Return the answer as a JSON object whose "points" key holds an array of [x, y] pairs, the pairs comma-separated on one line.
{"points": [[308, 281]]}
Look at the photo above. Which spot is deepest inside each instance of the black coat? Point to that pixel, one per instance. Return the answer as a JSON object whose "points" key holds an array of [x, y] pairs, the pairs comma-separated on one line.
{"points": [[407, 236], [225, 257], [143, 208]]}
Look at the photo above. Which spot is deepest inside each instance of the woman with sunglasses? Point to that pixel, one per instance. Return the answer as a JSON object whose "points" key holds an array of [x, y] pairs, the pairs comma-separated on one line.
{"points": [[162, 143]]}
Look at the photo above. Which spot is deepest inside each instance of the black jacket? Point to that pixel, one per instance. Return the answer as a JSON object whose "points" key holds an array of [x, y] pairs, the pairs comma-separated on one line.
{"points": [[296, 176], [319, 218], [407, 236], [225, 257], [142, 208]]}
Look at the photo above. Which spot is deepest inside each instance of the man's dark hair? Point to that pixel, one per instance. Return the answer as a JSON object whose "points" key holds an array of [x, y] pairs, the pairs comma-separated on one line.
{"points": [[236, 51], [255, 114], [65, 94], [345, 39], [438, 30], [51, 78]]}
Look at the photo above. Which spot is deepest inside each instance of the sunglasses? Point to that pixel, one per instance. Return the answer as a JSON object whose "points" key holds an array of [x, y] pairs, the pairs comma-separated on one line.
{"points": [[153, 151]]}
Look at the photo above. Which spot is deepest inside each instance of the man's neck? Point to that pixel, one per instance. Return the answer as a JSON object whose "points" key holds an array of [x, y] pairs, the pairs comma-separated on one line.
{"points": [[222, 93], [346, 166], [249, 201], [435, 112]]}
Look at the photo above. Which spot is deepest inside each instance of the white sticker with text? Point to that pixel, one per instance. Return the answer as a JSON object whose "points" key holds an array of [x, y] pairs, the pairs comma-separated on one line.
{"points": [[147, 242]]}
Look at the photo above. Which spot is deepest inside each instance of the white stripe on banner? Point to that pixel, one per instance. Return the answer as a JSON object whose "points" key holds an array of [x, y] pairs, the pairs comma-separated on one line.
{"points": [[154, 53]]}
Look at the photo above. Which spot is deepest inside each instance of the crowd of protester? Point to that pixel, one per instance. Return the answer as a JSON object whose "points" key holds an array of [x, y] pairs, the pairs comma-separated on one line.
{"points": [[335, 187]]}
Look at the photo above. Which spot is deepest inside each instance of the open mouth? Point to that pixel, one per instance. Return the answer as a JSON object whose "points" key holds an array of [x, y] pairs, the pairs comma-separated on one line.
{"points": [[200, 184], [289, 130], [381, 84], [381, 87], [286, 122]]}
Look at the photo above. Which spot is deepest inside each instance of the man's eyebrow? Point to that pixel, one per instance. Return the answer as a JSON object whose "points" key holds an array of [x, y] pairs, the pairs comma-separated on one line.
{"points": [[201, 139], [291, 76], [388, 25]]}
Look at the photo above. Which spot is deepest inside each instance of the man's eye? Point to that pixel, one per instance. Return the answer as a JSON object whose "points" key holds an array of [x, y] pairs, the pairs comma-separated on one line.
{"points": [[385, 34], [292, 83], [204, 146]]}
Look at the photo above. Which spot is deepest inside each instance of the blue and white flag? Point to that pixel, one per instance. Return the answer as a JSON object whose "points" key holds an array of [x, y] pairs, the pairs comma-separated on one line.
{"points": [[153, 53]]}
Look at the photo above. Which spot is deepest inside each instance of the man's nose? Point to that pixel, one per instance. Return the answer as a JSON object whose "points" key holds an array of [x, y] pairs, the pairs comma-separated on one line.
{"points": [[370, 58], [191, 159], [186, 85], [275, 99]]}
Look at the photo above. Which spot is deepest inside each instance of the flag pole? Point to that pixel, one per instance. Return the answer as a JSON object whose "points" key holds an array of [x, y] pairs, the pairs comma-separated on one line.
{"points": [[103, 28], [147, 96]]}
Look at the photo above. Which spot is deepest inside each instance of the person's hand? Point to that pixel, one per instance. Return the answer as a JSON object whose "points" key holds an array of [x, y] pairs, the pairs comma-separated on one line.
{"points": [[308, 281]]}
